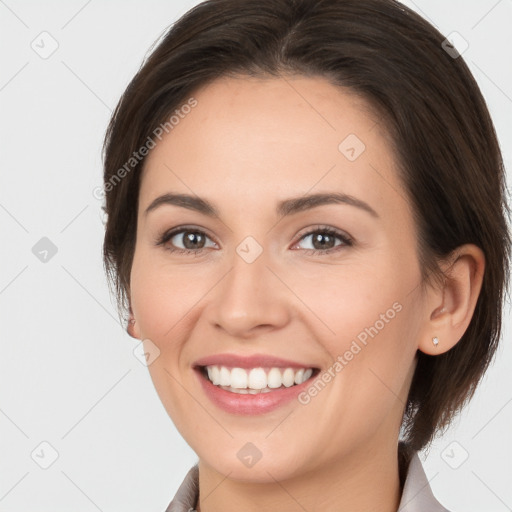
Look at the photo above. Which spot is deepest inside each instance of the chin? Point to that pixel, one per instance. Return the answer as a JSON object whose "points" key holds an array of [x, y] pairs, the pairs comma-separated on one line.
{"points": [[244, 462]]}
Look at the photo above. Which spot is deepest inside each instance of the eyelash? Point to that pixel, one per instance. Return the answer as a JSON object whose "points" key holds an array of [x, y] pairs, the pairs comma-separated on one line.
{"points": [[347, 241]]}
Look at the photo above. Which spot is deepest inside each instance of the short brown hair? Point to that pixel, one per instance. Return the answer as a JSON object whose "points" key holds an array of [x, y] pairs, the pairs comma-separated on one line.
{"points": [[447, 150]]}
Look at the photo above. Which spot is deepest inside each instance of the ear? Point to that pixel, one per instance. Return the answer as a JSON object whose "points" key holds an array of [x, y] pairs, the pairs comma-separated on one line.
{"points": [[132, 327], [450, 306]]}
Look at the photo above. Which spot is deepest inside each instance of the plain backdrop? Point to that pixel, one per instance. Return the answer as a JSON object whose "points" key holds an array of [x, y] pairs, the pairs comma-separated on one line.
{"points": [[73, 396]]}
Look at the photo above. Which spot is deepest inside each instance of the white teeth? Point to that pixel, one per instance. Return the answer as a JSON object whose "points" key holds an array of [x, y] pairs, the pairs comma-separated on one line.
{"points": [[238, 378], [256, 380], [288, 377], [307, 375], [225, 376], [274, 378], [298, 376], [214, 374]]}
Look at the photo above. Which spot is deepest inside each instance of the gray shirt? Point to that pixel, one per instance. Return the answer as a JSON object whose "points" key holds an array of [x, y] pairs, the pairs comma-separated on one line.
{"points": [[417, 495]]}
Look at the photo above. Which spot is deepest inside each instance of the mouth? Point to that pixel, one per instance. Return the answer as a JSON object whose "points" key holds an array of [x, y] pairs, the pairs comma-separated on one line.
{"points": [[256, 380], [243, 384]]}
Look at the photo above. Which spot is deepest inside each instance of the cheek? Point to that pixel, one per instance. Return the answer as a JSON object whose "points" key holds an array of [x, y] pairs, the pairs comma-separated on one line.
{"points": [[366, 318], [163, 299], [162, 296], [348, 299], [366, 383]]}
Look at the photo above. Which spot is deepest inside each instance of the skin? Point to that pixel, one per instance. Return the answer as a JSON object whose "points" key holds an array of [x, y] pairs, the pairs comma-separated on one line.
{"points": [[248, 144]]}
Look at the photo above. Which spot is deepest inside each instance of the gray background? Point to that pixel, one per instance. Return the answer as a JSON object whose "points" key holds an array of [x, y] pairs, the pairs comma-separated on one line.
{"points": [[68, 375]]}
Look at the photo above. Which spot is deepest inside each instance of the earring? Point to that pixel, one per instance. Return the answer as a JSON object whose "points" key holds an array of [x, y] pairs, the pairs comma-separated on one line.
{"points": [[435, 340]]}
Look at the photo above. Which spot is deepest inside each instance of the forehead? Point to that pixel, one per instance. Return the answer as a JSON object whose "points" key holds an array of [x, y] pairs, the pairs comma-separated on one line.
{"points": [[265, 138]]}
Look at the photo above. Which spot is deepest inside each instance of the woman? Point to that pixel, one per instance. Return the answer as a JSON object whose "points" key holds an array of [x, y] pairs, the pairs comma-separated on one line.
{"points": [[309, 240]]}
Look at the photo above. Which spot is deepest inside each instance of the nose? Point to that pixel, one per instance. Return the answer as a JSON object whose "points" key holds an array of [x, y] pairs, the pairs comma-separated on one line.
{"points": [[249, 299]]}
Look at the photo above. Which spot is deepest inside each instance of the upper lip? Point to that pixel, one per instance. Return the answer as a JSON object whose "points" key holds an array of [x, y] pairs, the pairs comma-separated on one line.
{"points": [[249, 361]]}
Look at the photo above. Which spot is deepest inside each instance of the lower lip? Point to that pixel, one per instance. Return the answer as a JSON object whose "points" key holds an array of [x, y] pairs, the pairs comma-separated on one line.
{"points": [[247, 404]]}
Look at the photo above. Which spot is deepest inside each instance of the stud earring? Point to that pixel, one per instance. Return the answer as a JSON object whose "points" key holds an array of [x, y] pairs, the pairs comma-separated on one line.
{"points": [[435, 340]]}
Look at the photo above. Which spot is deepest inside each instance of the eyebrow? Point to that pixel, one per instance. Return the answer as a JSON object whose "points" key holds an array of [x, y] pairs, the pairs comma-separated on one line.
{"points": [[284, 208]]}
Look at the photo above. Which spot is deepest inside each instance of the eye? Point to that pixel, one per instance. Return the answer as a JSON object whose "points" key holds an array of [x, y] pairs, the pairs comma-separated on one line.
{"points": [[323, 240], [188, 240], [185, 241]]}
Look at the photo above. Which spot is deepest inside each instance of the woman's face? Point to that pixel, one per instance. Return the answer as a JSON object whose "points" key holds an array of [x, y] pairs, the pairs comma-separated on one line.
{"points": [[256, 282]]}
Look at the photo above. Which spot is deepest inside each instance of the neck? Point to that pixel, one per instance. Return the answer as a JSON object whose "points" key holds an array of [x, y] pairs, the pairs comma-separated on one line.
{"points": [[367, 480]]}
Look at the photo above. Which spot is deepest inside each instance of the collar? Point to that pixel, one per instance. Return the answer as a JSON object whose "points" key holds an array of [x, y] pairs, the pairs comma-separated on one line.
{"points": [[417, 495]]}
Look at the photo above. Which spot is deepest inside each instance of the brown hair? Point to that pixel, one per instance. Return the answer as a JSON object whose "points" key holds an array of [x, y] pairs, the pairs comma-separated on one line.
{"points": [[447, 150]]}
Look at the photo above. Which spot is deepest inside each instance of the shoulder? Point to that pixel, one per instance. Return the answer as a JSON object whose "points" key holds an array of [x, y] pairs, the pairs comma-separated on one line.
{"points": [[417, 495], [185, 499]]}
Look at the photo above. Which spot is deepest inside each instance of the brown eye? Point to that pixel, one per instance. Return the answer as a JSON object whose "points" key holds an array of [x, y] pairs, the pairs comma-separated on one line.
{"points": [[324, 240], [191, 239], [185, 240]]}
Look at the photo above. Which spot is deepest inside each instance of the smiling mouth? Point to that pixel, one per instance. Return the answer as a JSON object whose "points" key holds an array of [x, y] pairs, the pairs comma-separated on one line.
{"points": [[256, 380]]}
